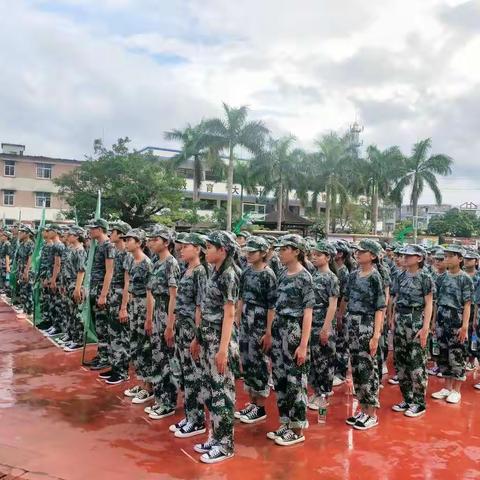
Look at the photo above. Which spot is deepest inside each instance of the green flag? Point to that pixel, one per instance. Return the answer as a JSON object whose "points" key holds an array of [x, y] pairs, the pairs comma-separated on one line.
{"points": [[35, 266], [243, 221], [89, 328]]}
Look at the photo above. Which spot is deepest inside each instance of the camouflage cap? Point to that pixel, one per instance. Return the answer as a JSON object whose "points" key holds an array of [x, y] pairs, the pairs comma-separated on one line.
{"points": [[270, 239], [471, 254], [439, 254], [458, 249], [221, 238], [26, 228], [371, 246], [136, 233], [244, 233], [309, 244], [97, 223], [414, 250], [77, 231], [256, 244], [325, 247], [291, 240], [192, 239], [342, 246], [53, 227], [180, 237], [161, 231], [119, 226]]}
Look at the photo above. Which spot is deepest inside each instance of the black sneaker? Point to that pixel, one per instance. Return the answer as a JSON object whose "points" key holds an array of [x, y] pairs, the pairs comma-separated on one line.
{"points": [[44, 326], [415, 411], [190, 430], [100, 365], [289, 437], [353, 420], [93, 361], [400, 407], [244, 410], [176, 426], [256, 414], [366, 422], [215, 455], [204, 447], [106, 374], [115, 378]]}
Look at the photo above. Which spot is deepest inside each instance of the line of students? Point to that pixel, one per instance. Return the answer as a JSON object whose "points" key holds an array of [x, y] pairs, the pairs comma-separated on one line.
{"points": [[290, 312]]}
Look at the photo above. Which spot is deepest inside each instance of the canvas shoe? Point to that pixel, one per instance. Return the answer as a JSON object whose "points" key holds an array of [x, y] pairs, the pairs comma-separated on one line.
{"points": [[255, 415], [215, 455], [141, 397], [441, 394], [366, 423], [288, 438], [415, 411], [400, 407], [190, 430], [278, 433], [132, 392], [244, 411], [176, 426], [454, 397]]}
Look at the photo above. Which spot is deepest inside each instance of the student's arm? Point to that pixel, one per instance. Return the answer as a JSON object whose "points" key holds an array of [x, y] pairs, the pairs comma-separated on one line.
{"points": [[379, 315], [149, 316], [7, 263], [266, 340], [463, 331], [195, 345], [123, 314], [228, 318], [238, 311], [169, 330], [301, 351], [327, 325], [107, 280], [77, 293]]}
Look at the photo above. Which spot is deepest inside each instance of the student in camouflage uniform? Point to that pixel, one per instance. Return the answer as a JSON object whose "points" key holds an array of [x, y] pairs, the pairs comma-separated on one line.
{"points": [[344, 264], [182, 265], [118, 330], [214, 338], [291, 333], [191, 291], [382, 351], [4, 260], [454, 303], [140, 315], [365, 299], [470, 266], [100, 279], [413, 291], [242, 238], [44, 274], [322, 338], [24, 273], [163, 285], [255, 312], [73, 275], [272, 257]]}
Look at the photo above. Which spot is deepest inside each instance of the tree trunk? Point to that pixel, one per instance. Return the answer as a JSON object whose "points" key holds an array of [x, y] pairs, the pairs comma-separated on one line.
{"points": [[280, 206], [196, 180], [327, 210], [415, 217], [229, 188], [374, 209], [241, 200]]}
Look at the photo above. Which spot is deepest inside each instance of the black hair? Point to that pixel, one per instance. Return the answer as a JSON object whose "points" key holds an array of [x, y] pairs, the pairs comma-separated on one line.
{"points": [[332, 265], [301, 257], [229, 260], [347, 260], [204, 263]]}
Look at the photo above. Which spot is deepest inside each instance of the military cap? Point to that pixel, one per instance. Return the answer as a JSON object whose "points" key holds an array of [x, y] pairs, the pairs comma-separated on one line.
{"points": [[256, 244], [291, 240], [270, 239], [180, 237], [26, 228], [221, 238], [342, 246], [77, 231], [325, 247], [414, 250], [120, 226], [53, 227], [244, 233], [136, 233], [97, 223], [471, 254], [439, 254], [458, 249], [161, 231], [371, 246], [191, 239]]}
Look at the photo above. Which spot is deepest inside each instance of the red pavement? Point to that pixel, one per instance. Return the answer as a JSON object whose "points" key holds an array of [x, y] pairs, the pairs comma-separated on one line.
{"points": [[57, 421]]}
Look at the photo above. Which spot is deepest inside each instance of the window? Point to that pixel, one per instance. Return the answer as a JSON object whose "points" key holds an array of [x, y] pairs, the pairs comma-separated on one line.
{"points": [[9, 197], [256, 210], [44, 170], [9, 170], [43, 199]]}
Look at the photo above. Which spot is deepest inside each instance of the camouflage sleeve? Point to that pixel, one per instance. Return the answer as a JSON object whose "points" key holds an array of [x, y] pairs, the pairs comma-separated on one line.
{"points": [[173, 273], [308, 293], [128, 263], [378, 289], [428, 286], [82, 260], [229, 286], [199, 285], [271, 286], [109, 251], [348, 286], [241, 284], [467, 289], [148, 275], [334, 287]]}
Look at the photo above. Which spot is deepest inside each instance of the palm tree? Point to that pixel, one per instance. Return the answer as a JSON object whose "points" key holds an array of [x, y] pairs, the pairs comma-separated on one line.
{"points": [[276, 169], [244, 175], [420, 169], [231, 132], [380, 170]]}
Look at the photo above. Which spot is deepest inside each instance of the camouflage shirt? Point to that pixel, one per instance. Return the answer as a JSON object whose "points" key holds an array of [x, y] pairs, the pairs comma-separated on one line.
{"points": [[411, 290], [476, 287], [165, 274], [455, 290], [325, 286], [258, 287], [384, 272], [74, 263], [276, 265], [221, 288], [140, 274], [25, 250], [343, 274], [4, 252], [46, 262], [242, 262], [295, 294], [119, 263], [394, 273], [310, 266], [191, 291], [365, 295], [103, 252]]}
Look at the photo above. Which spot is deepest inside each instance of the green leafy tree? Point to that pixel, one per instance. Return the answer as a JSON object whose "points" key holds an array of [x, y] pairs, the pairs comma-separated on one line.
{"points": [[230, 133], [135, 186], [454, 223], [418, 170]]}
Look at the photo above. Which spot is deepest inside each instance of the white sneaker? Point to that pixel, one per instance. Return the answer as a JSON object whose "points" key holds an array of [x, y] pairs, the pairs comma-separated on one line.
{"points": [[148, 410], [141, 397], [477, 386], [337, 381], [442, 394], [176, 426], [454, 397], [132, 392]]}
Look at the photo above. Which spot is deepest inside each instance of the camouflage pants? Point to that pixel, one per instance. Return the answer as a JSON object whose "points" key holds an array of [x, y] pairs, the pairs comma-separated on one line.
{"points": [[3, 275], [47, 304], [322, 357], [189, 371], [164, 385], [290, 380], [254, 360], [469, 352], [74, 316], [410, 358], [100, 320], [118, 334], [364, 366], [140, 342], [218, 391], [451, 360], [59, 310], [342, 353], [25, 294], [382, 351], [235, 352]]}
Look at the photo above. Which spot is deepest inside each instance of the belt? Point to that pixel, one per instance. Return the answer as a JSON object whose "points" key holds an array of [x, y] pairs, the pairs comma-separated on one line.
{"points": [[401, 309]]}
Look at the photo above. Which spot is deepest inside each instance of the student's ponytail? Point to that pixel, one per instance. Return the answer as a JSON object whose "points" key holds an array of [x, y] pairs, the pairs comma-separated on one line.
{"points": [[204, 263], [301, 259], [332, 265]]}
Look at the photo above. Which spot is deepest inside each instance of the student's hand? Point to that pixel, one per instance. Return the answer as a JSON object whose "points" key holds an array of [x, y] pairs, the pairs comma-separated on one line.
{"points": [[148, 327], [462, 334], [374, 345], [339, 322], [301, 355], [53, 285], [324, 334], [195, 349], [221, 361], [45, 283], [25, 277], [102, 301], [266, 342], [123, 315], [169, 336], [422, 334]]}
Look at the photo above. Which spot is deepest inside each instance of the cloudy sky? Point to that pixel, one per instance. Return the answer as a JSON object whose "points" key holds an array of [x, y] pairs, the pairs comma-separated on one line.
{"points": [[75, 70]]}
